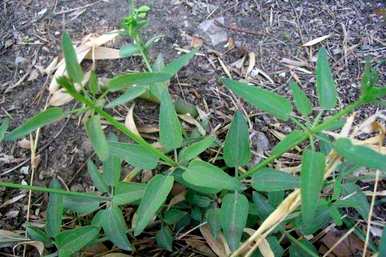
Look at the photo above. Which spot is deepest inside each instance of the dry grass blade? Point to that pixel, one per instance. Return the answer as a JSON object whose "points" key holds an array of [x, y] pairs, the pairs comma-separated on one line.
{"points": [[129, 120], [316, 40]]}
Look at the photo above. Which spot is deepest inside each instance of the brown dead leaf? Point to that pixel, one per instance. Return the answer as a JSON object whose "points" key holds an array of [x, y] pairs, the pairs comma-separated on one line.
{"points": [[348, 247], [200, 247], [216, 245]]}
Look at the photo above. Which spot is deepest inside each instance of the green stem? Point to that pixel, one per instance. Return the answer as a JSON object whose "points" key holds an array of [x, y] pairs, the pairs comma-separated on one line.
{"points": [[110, 119], [315, 130], [52, 190]]}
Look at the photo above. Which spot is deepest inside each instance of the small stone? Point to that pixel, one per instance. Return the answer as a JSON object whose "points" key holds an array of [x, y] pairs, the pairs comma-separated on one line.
{"points": [[215, 33]]}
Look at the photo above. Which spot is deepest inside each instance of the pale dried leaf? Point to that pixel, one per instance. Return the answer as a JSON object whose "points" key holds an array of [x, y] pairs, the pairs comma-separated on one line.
{"points": [[317, 40], [251, 63], [129, 120], [103, 53], [192, 121]]}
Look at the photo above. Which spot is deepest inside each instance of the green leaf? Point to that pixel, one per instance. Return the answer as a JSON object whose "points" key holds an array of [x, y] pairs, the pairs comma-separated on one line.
{"points": [[80, 205], [325, 84], [288, 142], [38, 234], [264, 208], [177, 64], [213, 219], [164, 238], [270, 180], [320, 220], [130, 94], [261, 98], [97, 137], [170, 127], [126, 193], [144, 78], [128, 50], [382, 244], [354, 198], [41, 119], [93, 85], [3, 128], [112, 166], [71, 241], [237, 150], [311, 183], [360, 155], [369, 79], [203, 174], [96, 177], [54, 210], [73, 68], [195, 149], [156, 192], [134, 154], [302, 248], [115, 228], [173, 215], [233, 217], [302, 103]]}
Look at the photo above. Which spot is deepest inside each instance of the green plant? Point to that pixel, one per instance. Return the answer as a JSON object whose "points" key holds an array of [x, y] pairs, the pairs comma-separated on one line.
{"points": [[229, 198]]}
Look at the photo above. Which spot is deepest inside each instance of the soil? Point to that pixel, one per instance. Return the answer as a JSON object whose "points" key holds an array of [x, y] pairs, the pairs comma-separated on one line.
{"points": [[30, 33]]}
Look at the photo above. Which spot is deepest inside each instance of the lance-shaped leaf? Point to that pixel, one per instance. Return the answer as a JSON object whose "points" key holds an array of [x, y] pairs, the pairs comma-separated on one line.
{"points": [[360, 155], [156, 192], [164, 238], [115, 228], [290, 141], [177, 64], [97, 137], [112, 166], [302, 103], [270, 180], [126, 193], [3, 128], [311, 181], [203, 174], [97, 177], [325, 84], [170, 126], [233, 217], [38, 234], [144, 78], [130, 94], [54, 210], [134, 154], [129, 50], [354, 198], [261, 98], [213, 218], [73, 68], [71, 241], [236, 147], [42, 119], [193, 150], [80, 205]]}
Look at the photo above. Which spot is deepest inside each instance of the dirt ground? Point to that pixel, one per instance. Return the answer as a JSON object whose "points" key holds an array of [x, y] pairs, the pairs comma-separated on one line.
{"points": [[30, 33]]}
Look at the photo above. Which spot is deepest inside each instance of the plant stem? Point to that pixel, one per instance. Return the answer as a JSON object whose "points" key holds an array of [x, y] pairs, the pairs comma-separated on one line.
{"points": [[314, 130], [52, 190]]}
